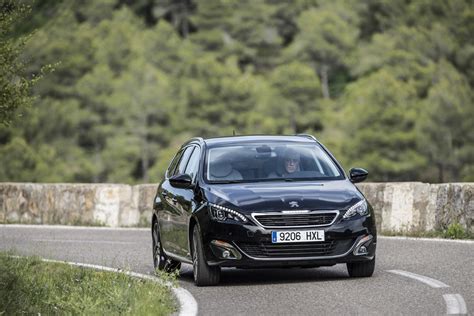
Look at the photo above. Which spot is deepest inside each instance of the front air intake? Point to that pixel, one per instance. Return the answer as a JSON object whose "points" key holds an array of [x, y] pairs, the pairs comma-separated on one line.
{"points": [[288, 220]]}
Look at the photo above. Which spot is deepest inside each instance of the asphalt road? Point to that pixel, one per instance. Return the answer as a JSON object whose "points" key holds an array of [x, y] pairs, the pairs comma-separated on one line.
{"points": [[313, 291]]}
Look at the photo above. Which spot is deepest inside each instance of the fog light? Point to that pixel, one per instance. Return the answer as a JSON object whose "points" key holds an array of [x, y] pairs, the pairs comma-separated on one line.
{"points": [[224, 250], [361, 248]]}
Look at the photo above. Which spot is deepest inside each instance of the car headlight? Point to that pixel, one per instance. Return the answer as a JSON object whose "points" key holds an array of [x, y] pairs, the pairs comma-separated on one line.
{"points": [[222, 214], [360, 208]]}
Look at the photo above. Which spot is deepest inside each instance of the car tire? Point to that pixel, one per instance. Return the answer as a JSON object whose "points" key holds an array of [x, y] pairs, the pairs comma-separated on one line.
{"points": [[362, 269], [160, 260], [203, 273]]}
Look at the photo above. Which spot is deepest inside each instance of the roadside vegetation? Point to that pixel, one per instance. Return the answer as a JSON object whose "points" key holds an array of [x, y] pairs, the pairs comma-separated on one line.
{"points": [[30, 286], [453, 231], [387, 85]]}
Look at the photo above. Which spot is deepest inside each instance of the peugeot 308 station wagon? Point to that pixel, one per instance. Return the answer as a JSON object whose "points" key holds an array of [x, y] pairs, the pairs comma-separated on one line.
{"points": [[261, 201]]}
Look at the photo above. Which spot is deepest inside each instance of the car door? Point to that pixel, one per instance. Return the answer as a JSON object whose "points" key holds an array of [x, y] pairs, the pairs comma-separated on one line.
{"points": [[169, 226], [185, 202]]}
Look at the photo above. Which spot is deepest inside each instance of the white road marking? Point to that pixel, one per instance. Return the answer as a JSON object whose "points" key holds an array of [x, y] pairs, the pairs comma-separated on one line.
{"points": [[455, 304], [429, 281], [187, 303], [86, 241], [460, 241]]}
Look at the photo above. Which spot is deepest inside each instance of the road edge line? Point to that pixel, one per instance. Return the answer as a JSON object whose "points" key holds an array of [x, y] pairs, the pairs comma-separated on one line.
{"points": [[461, 241], [455, 304], [421, 278]]}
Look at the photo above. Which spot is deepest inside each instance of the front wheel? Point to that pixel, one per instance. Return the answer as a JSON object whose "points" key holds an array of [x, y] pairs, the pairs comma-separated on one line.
{"points": [[362, 269], [202, 272], [160, 260]]}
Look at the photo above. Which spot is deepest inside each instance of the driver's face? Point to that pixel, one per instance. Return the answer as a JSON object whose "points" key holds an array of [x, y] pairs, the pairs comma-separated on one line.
{"points": [[291, 165]]}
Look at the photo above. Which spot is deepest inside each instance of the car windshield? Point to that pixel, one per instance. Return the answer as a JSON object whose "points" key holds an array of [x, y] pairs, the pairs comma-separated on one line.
{"points": [[269, 162]]}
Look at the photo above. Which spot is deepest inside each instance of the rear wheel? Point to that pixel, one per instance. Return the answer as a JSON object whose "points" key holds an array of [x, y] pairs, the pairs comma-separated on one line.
{"points": [[362, 269], [202, 272], [160, 260]]}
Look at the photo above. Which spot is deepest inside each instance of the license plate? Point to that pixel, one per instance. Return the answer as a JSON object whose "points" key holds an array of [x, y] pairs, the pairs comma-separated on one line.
{"points": [[297, 236]]}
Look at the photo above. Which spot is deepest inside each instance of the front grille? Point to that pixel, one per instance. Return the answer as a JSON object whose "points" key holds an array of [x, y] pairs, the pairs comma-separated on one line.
{"points": [[295, 220], [303, 249]]}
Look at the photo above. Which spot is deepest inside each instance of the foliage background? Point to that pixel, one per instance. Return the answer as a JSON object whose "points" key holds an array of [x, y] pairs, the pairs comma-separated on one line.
{"points": [[386, 85]]}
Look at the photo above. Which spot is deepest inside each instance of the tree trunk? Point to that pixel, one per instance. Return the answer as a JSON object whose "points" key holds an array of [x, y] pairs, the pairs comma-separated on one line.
{"points": [[184, 21], [440, 173], [185, 28], [145, 160], [293, 122], [97, 162], [325, 81], [142, 133]]}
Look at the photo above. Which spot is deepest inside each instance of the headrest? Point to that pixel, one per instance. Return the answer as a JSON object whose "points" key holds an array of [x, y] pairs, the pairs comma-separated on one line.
{"points": [[220, 169], [291, 153]]}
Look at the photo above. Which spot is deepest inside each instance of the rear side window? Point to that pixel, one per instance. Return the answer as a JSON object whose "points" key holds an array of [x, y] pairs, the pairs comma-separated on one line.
{"points": [[193, 164], [183, 161], [173, 164]]}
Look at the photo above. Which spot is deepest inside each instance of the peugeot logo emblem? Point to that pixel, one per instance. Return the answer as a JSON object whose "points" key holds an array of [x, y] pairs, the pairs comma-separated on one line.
{"points": [[294, 204]]}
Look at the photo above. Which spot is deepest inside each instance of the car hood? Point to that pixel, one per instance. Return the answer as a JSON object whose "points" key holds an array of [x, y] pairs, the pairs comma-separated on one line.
{"points": [[278, 196]]}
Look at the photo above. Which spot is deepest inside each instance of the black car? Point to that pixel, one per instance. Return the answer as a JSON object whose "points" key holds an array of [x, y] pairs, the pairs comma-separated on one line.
{"points": [[261, 201]]}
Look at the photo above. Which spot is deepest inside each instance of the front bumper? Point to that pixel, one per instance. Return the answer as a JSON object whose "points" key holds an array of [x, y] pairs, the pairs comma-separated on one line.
{"points": [[343, 240]]}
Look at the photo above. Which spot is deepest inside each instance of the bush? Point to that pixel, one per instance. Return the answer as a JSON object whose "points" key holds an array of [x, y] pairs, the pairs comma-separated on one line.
{"points": [[455, 231]]}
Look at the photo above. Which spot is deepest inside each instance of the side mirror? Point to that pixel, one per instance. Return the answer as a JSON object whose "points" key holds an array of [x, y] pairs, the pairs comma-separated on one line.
{"points": [[182, 181], [358, 175]]}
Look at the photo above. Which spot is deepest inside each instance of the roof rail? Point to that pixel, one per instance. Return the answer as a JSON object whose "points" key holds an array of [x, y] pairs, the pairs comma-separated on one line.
{"points": [[199, 139], [307, 136]]}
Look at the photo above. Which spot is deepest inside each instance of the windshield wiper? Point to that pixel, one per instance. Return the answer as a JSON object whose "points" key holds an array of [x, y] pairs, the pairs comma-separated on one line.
{"points": [[227, 181], [274, 179]]}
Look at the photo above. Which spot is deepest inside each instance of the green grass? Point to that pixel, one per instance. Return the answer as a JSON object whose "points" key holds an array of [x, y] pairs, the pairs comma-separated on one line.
{"points": [[456, 231], [30, 286]]}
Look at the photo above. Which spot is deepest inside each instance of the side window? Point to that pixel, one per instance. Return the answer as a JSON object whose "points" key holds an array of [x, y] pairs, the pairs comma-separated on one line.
{"points": [[193, 164], [173, 164], [184, 160]]}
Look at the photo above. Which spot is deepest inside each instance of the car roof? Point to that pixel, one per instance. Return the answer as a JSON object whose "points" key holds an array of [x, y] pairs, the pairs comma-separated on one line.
{"points": [[258, 138]]}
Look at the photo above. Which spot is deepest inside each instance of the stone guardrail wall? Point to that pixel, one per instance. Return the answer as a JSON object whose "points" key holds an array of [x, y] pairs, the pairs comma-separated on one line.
{"points": [[402, 207], [420, 207], [76, 204]]}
